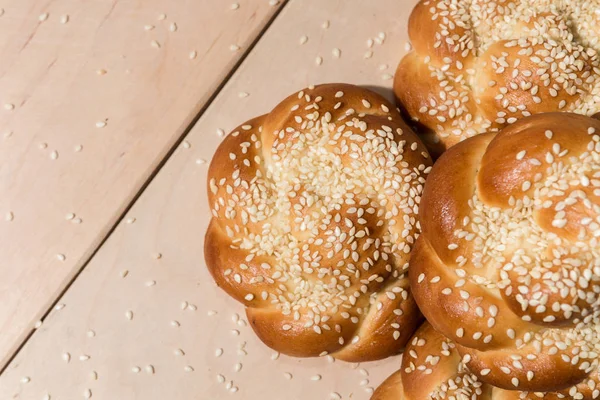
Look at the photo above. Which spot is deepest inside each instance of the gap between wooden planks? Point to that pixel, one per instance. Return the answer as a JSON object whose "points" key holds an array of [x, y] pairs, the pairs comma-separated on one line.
{"points": [[93, 95], [144, 319]]}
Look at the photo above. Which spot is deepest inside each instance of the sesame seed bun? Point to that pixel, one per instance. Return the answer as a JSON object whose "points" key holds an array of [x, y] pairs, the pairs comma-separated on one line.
{"points": [[315, 211], [477, 67], [508, 262]]}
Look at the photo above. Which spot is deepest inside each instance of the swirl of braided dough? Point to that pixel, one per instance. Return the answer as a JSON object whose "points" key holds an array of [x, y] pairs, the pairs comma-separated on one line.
{"points": [[315, 211], [479, 65], [508, 261], [432, 369]]}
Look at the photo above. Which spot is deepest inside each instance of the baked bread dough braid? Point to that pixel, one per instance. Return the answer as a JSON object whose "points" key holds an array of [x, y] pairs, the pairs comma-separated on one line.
{"points": [[479, 65], [432, 369], [508, 262], [314, 217]]}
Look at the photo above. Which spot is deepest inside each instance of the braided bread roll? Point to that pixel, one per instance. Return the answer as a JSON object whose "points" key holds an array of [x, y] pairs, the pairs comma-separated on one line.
{"points": [[432, 369], [480, 65], [315, 211], [508, 261]]}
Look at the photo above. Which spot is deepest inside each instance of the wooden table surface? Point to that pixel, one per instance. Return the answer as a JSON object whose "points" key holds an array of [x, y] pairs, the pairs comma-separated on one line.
{"points": [[143, 319], [93, 95]]}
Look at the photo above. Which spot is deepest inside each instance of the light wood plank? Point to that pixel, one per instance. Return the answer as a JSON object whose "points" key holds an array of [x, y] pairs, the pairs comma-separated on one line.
{"points": [[171, 218], [97, 105]]}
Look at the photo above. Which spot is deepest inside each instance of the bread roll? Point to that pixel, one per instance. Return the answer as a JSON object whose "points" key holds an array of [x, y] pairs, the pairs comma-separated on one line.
{"points": [[480, 65], [432, 369], [314, 217], [508, 262]]}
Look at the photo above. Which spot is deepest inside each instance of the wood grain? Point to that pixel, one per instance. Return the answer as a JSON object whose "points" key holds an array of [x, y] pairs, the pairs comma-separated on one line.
{"points": [[166, 287], [93, 94]]}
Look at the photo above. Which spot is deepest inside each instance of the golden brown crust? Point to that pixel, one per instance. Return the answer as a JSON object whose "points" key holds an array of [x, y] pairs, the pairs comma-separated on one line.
{"points": [[508, 262], [314, 216], [432, 369], [478, 66], [390, 389]]}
